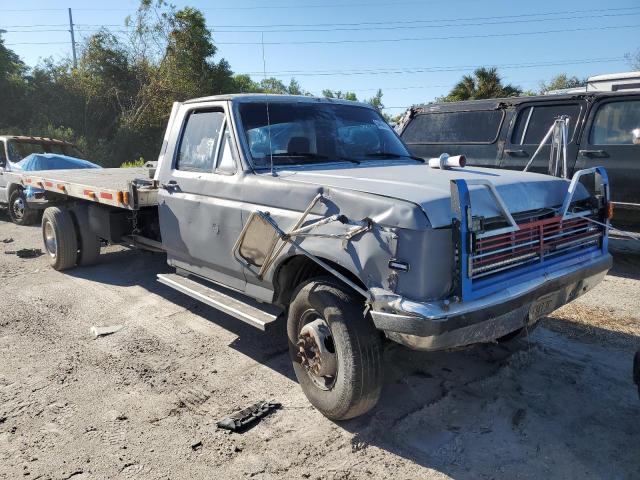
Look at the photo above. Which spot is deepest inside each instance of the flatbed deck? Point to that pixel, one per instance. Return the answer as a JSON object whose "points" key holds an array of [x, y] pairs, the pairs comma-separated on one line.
{"points": [[110, 186]]}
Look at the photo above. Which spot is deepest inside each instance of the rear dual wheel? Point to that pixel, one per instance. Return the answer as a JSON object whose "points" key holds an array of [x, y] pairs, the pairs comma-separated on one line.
{"points": [[68, 240]]}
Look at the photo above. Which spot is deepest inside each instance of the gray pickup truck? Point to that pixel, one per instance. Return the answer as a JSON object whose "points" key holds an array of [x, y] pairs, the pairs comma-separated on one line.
{"points": [[314, 211]]}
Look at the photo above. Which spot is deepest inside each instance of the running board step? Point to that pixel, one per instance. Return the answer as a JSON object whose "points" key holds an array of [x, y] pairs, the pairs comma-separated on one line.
{"points": [[232, 303]]}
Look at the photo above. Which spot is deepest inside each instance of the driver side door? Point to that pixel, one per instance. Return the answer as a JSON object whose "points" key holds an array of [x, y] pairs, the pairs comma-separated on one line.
{"points": [[200, 219]]}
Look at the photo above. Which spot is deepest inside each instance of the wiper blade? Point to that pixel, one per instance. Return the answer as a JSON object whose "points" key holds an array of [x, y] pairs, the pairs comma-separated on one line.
{"points": [[314, 156], [393, 155]]}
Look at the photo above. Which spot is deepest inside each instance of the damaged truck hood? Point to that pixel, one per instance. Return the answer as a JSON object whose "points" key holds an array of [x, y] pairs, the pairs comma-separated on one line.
{"points": [[431, 188]]}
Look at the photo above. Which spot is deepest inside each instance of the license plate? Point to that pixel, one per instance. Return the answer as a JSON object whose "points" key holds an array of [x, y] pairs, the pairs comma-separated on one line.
{"points": [[542, 307]]}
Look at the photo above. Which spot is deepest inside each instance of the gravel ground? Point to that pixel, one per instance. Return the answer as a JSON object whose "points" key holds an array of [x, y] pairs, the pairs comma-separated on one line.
{"points": [[142, 403]]}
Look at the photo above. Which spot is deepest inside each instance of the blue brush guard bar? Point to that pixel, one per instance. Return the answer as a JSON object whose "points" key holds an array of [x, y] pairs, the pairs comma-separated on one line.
{"points": [[469, 288]]}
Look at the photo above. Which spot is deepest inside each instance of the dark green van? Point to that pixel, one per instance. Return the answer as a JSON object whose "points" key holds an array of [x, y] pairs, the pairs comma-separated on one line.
{"points": [[604, 130]]}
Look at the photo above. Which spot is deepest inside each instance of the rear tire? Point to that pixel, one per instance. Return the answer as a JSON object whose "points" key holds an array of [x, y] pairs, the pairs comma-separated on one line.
{"points": [[353, 385], [60, 239], [19, 211], [88, 241]]}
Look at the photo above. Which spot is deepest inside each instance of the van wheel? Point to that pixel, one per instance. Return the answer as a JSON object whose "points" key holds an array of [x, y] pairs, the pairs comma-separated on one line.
{"points": [[336, 351], [19, 211], [88, 241], [59, 236]]}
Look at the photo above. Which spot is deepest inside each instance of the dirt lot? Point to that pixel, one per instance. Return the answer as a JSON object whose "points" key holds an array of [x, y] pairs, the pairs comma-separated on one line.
{"points": [[143, 402]]}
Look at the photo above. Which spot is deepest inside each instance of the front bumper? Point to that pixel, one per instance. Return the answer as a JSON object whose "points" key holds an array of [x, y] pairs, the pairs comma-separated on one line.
{"points": [[437, 326]]}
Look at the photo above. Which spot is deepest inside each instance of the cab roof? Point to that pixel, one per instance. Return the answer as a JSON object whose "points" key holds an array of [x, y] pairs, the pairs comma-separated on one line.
{"points": [[262, 97]]}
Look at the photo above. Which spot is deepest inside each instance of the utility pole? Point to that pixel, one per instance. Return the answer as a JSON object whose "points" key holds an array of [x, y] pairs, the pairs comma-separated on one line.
{"points": [[73, 40]]}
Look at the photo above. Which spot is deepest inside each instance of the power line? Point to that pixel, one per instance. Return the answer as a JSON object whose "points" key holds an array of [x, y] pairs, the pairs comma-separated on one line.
{"points": [[434, 20], [255, 7], [414, 39], [451, 68], [407, 27], [81, 28], [398, 40], [385, 25]]}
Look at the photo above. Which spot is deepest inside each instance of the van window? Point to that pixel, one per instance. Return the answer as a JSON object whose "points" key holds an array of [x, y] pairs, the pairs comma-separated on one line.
{"points": [[199, 142], [614, 123], [479, 126], [3, 157], [534, 122]]}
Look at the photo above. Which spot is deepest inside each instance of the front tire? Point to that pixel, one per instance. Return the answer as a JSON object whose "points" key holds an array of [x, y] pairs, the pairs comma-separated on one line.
{"points": [[19, 211], [336, 351], [60, 239]]}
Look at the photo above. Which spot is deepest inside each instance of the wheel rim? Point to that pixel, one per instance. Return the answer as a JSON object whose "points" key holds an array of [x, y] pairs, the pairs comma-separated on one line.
{"points": [[50, 242], [316, 350], [18, 207]]}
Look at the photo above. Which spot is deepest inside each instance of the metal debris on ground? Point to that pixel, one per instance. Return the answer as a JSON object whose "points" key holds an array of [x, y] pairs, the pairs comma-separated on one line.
{"points": [[103, 331], [242, 420], [25, 252]]}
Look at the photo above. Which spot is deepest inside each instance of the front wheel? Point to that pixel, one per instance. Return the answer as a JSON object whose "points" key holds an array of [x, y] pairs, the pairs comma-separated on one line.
{"points": [[336, 351], [19, 211]]}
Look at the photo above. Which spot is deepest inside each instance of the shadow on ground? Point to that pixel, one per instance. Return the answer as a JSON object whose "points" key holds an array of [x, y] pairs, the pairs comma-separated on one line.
{"points": [[553, 404]]}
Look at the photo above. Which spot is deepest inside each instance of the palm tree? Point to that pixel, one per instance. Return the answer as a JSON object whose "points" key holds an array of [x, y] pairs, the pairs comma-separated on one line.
{"points": [[485, 83]]}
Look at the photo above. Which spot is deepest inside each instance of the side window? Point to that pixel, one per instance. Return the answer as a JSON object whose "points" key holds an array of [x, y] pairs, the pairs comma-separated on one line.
{"points": [[480, 126], [199, 141], [226, 159], [615, 122], [3, 157], [534, 122]]}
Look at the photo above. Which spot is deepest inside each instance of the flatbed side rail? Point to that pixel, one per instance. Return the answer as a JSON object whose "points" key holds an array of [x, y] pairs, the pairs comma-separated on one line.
{"points": [[130, 194], [490, 261]]}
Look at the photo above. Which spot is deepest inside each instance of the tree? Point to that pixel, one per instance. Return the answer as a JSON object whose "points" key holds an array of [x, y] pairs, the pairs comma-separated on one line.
{"points": [[115, 104], [376, 101], [484, 83], [634, 59], [339, 94], [562, 81], [12, 86]]}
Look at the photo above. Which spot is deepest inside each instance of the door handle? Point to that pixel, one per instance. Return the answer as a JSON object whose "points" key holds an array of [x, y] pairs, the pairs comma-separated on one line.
{"points": [[170, 185], [516, 153], [593, 153]]}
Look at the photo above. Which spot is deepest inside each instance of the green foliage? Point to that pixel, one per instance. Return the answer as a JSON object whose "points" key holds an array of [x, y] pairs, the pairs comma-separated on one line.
{"points": [[484, 83], [634, 59], [339, 94], [562, 81], [12, 86], [115, 104], [376, 101], [134, 163]]}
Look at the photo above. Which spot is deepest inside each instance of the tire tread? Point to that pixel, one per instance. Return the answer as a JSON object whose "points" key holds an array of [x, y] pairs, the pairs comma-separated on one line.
{"points": [[66, 239]]}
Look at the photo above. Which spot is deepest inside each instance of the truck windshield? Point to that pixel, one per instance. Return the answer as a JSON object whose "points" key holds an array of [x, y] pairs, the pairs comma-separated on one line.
{"points": [[302, 133]]}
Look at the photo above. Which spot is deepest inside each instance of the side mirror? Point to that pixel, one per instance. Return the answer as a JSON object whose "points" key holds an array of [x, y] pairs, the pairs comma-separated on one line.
{"points": [[636, 136]]}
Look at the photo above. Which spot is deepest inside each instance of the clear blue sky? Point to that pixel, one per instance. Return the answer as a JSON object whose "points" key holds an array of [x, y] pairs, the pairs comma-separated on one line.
{"points": [[420, 59]]}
